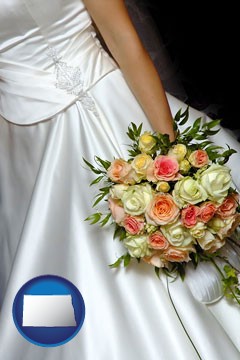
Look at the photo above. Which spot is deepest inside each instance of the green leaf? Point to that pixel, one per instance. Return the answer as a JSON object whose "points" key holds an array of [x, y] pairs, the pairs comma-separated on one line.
{"points": [[105, 219], [94, 218], [127, 259], [104, 163], [95, 170], [157, 271], [97, 180]]}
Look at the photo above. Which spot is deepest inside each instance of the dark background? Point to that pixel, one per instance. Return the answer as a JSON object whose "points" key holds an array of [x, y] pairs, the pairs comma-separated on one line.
{"points": [[204, 45]]}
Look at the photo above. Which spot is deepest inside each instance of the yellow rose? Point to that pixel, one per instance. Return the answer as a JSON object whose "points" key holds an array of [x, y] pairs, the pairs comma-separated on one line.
{"points": [[184, 166], [179, 151], [146, 142], [163, 186], [215, 224], [140, 163]]}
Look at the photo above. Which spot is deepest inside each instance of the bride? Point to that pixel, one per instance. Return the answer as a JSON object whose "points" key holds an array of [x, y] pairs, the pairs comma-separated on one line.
{"points": [[62, 98]]}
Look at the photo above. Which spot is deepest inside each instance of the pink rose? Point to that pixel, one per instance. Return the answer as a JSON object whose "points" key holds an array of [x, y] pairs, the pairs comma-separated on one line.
{"points": [[116, 209], [198, 158], [133, 224], [189, 216], [164, 167], [207, 211], [118, 170], [174, 254], [228, 207], [162, 210], [158, 241]]}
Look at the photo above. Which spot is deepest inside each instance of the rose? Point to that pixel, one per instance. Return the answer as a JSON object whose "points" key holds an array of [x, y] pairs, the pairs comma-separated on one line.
{"points": [[133, 224], [117, 191], [184, 166], [215, 224], [229, 206], [179, 151], [118, 170], [230, 225], [216, 245], [216, 181], [156, 260], [162, 210], [158, 241], [189, 215], [116, 209], [146, 143], [177, 234], [188, 191], [174, 254], [136, 199], [163, 186], [209, 241], [164, 167], [140, 164], [198, 230], [198, 158], [207, 211], [137, 246]]}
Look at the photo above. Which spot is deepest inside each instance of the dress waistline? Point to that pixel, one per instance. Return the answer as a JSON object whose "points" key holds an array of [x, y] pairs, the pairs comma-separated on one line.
{"points": [[29, 95]]}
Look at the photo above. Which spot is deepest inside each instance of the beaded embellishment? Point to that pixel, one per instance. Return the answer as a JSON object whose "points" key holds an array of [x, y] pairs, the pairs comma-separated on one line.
{"points": [[69, 78]]}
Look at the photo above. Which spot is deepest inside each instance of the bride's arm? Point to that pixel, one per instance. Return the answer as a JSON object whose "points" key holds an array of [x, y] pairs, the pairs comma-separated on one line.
{"points": [[112, 19]]}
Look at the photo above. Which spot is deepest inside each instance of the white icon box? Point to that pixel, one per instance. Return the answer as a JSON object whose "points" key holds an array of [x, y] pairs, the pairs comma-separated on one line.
{"points": [[48, 311]]}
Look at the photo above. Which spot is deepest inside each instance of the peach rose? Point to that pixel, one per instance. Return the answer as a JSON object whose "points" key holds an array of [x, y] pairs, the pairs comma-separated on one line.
{"points": [[207, 211], [229, 206], [162, 210], [155, 260], [158, 241], [216, 245], [198, 158], [118, 170], [133, 224], [173, 254], [230, 224], [189, 215], [116, 209], [164, 167]]}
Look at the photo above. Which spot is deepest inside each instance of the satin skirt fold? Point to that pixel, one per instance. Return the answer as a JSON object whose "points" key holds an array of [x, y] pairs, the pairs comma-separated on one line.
{"points": [[45, 198]]}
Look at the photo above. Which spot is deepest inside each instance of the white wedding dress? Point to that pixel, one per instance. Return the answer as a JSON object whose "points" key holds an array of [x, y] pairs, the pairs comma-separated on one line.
{"points": [[63, 98]]}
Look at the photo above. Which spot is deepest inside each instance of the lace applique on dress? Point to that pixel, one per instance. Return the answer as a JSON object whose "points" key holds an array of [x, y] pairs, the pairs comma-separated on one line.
{"points": [[69, 78]]}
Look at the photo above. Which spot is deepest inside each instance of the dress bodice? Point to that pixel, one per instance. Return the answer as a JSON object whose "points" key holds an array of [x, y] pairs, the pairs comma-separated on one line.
{"points": [[49, 54]]}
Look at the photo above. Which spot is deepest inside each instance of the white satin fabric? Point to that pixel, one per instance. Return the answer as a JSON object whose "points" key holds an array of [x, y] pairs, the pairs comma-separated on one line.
{"points": [[45, 197]]}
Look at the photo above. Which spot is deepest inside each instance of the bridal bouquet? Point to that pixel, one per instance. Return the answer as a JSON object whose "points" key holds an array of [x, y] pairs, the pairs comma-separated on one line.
{"points": [[171, 203]]}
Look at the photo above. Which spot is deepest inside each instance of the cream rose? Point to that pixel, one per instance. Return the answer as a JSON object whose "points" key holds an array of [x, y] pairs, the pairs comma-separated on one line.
{"points": [[156, 260], [162, 210], [210, 241], [136, 199], [188, 191], [177, 234], [198, 231], [137, 246], [216, 181], [118, 190]]}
